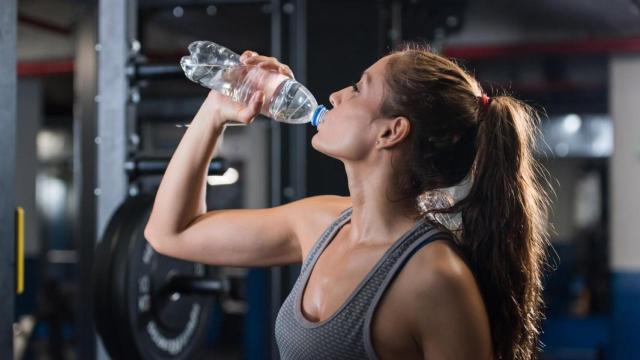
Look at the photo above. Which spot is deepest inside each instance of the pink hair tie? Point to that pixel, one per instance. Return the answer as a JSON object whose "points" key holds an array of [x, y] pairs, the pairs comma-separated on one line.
{"points": [[485, 101]]}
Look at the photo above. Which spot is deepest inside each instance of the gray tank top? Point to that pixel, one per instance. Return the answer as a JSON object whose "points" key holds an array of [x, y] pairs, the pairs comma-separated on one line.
{"points": [[347, 333]]}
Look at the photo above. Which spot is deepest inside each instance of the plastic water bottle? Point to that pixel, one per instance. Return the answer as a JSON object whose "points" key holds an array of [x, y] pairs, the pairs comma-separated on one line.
{"points": [[218, 68]]}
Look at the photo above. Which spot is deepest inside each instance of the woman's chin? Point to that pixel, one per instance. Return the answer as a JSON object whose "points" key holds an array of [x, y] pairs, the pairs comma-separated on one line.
{"points": [[314, 141], [317, 145]]}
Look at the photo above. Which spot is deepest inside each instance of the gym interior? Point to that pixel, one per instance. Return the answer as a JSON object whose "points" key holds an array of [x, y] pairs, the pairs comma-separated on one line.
{"points": [[93, 102]]}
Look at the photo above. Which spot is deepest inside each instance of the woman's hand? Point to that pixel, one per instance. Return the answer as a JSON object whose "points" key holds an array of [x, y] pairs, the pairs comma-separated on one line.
{"points": [[226, 110], [265, 62]]}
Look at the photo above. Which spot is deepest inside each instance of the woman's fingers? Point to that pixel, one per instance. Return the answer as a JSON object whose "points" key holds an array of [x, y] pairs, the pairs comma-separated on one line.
{"points": [[265, 62], [247, 54], [228, 110], [256, 59], [277, 67], [247, 113], [285, 70]]}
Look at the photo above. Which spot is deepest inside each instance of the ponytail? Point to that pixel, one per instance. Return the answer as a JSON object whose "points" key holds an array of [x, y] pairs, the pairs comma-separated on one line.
{"points": [[504, 225], [456, 134]]}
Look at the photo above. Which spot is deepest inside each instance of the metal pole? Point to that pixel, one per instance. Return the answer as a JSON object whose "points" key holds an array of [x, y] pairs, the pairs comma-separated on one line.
{"points": [[288, 143], [624, 167], [116, 32], [298, 60], [84, 177], [276, 51], [113, 90], [297, 144], [8, 90], [276, 177]]}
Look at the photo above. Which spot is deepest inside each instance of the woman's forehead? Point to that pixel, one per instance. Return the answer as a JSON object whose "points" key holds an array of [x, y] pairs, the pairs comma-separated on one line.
{"points": [[378, 68]]}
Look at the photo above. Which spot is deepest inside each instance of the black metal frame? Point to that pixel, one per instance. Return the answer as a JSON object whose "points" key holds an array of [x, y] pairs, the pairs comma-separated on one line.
{"points": [[8, 122], [101, 146], [288, 144], [84, 178], [100, 126]]}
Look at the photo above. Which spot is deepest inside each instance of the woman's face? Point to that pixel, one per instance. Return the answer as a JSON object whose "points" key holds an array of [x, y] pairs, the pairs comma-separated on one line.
{"points": [[349, 130]]}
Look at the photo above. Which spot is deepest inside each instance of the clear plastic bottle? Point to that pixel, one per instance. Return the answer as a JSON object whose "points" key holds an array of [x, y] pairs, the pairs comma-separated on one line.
{"points": [[218, 68]]}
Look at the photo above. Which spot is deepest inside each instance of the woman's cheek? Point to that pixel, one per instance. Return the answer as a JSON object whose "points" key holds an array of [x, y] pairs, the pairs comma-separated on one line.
{"points": [[324, 142], [342, 146], [341, 139]]}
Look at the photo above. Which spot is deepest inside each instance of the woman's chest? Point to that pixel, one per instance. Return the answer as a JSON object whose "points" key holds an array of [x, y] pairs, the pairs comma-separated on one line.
{"points": [[333, 281]]}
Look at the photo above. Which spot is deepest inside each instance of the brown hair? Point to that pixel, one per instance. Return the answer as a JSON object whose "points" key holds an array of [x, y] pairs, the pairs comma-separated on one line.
{"points": [[453, 137]]}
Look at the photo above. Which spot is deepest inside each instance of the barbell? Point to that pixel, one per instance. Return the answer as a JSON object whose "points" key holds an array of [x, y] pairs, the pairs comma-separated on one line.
{"points": [[147, 305]]}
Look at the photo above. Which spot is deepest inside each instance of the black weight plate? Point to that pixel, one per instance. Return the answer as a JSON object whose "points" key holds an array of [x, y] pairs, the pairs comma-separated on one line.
{"points": [[145, 330], [123, 346], [102, 289]]}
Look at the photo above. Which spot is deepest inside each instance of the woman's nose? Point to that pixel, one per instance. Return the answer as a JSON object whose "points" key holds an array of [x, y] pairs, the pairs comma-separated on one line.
{"points": [[333, 99]]}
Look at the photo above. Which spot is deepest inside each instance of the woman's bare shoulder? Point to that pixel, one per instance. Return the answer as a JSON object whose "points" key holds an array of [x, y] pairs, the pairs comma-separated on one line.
{"points": [[316, 214], [326, 201], [437, 277], [321, 207], [440, 264], [433, 271]]}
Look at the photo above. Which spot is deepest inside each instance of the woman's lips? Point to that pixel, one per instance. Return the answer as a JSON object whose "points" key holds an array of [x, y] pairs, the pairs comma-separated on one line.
{"points": [[324, 118]]}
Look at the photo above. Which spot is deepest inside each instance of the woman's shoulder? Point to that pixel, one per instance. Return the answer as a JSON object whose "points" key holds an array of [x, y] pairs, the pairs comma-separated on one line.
{"points": [[325, 208], [316, 214], [439, 285], [439, 260], [438, 271], [438, 275]]}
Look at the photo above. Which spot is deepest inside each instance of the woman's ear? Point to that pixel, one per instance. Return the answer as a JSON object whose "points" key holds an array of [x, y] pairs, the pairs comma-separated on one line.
{"points": [[394, 131]]}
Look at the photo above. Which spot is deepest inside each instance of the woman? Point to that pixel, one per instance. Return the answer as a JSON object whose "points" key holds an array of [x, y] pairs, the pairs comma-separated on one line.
{"points": [[380, 277]]}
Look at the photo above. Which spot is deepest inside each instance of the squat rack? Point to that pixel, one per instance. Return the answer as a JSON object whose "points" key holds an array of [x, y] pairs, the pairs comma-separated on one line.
{"points": [[104, 117]]}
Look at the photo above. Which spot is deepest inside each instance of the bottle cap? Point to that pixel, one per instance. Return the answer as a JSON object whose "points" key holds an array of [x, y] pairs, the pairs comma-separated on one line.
{"points": [[318, 115]]}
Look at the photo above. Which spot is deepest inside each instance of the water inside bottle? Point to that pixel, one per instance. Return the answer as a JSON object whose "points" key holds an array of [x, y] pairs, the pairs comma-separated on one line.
{"points": [[294, 104], [219, 69]]}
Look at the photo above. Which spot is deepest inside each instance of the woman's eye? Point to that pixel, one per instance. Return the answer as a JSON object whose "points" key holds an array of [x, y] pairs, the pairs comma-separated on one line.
{"points": [[355, 87]]}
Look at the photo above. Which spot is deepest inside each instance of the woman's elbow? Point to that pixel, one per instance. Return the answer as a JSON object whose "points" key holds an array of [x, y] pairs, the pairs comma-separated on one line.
{"points": [[156, 240]]}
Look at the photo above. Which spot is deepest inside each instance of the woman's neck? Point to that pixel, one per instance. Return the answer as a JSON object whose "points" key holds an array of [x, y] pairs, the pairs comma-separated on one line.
{"points": [[378, 216]]}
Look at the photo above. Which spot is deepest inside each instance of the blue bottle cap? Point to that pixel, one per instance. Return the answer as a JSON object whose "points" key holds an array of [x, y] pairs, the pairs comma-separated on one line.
{"points": [[318, 115]]}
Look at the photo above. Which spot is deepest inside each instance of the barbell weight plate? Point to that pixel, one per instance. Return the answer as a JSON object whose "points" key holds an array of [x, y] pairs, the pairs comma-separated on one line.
{"points": [[102, 278], [124, 346], [146, 327]]}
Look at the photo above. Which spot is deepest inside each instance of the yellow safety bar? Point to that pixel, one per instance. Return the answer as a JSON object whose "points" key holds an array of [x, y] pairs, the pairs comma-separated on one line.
{"points": [[19, 250]]}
